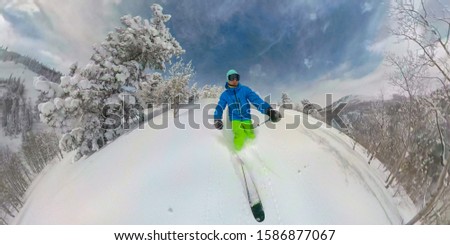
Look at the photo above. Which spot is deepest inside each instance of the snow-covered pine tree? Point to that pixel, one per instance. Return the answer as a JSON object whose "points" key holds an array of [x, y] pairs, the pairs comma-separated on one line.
{"points": [[175, 89], [147, 95], [211, 91], [216, 91], [105, 86], [194, 94], [298, 107], [16, 112], [39, 149], [307, 106], [286, 101], [205, 92], [14, 181], [73, 68]]}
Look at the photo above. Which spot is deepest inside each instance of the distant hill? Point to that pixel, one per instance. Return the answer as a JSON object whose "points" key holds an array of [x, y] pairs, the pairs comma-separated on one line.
{"points": [[18, 97], [32, 64]]}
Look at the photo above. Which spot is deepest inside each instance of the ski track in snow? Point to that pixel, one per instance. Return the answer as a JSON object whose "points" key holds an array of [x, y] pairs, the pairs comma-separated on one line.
{"points": [[244, 206], [370, 179], [268, 183], [319, 136], [244, 202], [209, 192], [367, 175]]}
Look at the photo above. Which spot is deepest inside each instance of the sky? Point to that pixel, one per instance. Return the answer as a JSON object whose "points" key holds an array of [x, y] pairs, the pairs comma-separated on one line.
{"points": [[306, 48]]}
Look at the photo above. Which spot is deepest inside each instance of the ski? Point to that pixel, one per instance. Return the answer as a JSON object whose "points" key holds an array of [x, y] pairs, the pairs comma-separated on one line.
{"points": [[253, 197]]}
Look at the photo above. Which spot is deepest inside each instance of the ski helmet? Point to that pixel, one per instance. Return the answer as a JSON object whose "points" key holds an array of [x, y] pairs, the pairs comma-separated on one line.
{"points": [[231, 72]]}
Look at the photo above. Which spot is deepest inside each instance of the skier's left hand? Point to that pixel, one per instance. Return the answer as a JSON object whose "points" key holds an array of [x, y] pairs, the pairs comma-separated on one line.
{"points": [[275, 116]]}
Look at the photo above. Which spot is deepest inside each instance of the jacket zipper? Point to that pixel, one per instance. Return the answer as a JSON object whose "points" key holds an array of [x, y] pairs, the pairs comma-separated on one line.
{"points": [[239, 104]]}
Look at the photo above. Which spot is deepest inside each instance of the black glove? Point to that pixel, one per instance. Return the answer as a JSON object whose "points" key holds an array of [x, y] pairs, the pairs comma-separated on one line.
{"points": [[275, 116], [218, 124]]}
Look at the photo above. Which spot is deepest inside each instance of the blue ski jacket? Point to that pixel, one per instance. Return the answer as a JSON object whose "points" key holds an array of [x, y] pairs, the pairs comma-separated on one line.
{"points": [[238, 99]]}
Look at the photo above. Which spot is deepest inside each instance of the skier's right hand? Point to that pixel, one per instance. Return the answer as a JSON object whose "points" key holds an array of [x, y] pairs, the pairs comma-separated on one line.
{"points": [[218, 124]]}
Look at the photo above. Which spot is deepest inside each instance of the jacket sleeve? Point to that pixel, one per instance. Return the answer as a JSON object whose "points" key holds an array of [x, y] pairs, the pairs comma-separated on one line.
{"points": [[220, 107], [260, 104]]}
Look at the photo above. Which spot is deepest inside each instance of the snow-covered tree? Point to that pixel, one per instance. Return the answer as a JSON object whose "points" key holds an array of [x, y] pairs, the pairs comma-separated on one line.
{"points": [[47, 89], [14, 181], [286, 101], [97, 98], [39, 149], [16, 113], [211, 91], [308, 107], [73, 69], [298, 107], [175, 89], [148, 94], [194, 94], [423, 142]]}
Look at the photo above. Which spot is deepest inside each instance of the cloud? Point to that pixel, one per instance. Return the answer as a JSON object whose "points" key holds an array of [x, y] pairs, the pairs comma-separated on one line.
{"points": [[366, 7], [8, 36], [308, 63], [325, 27], [53, 57], [273, 43], [371, 85], [256, 73], [24, 6], [58, 31], [116, 2], [384, 46]]}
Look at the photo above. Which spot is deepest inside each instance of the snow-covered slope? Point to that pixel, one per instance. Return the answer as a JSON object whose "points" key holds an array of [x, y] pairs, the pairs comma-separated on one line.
{"points": [[186, 176], [9, 68], [354, 99]]}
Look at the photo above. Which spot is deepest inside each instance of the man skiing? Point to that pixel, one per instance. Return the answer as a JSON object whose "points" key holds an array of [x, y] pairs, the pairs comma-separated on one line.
{"points": [[237, 97]]}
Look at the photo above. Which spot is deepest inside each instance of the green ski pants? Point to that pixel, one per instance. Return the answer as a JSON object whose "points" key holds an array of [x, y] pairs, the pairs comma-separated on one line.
{"points": [[242, 131]]}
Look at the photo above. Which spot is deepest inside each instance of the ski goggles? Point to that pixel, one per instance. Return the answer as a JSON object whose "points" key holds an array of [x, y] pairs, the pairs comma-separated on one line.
{"points": [[233, 77]]}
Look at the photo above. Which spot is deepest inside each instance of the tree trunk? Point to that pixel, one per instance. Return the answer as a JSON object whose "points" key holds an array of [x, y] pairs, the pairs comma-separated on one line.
{"points": [[176, 107]]}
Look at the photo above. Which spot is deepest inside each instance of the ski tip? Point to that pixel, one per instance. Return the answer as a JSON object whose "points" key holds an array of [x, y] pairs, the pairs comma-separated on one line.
{"points": [[258, 212], [260, 219]]}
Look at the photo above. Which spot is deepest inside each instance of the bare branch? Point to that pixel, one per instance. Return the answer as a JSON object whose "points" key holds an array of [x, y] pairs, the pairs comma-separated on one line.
{"points": [[424, 9], [441, 180]]}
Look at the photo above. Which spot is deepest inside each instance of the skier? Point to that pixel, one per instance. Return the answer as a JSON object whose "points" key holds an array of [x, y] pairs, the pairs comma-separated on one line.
{"points": [[237, 97]]}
